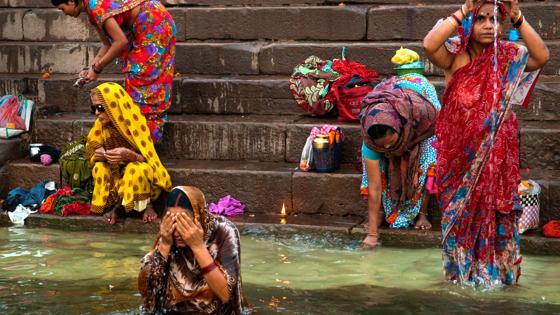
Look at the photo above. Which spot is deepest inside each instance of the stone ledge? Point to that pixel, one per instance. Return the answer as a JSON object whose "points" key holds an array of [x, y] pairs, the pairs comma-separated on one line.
{"points": [[533, 243], [303, 193], [231, 94], [281, 57], [289, 23], [391, 21], [223, 58], [406, 22], [273, 137], [189, 3]]}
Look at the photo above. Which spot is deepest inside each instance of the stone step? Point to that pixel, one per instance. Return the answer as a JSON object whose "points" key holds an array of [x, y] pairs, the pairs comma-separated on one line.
{"points": [[273, 138], [13, 149], [264, 187], [532, 242], [329, 23], [211, 94], [222, 58], [268, 95], [189, 3]]}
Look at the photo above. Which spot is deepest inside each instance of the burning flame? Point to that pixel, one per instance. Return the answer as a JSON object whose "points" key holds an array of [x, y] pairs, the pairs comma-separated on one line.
{"points": [[283, 214]]}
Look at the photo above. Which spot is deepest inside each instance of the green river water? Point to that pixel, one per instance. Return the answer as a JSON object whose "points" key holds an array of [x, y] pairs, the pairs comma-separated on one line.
{"points": [[47, 271]]}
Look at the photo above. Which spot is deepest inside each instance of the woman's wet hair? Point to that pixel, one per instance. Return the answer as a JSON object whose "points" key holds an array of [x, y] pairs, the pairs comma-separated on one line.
{"points": [[177, 198], [379, 131], [56, 3]]}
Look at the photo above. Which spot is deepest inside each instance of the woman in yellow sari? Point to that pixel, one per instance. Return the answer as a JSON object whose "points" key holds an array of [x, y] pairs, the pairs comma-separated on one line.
{"points": [[126, 169]]}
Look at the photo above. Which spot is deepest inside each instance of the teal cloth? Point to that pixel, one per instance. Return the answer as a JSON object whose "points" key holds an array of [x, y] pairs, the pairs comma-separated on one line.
{"points": [[370, 154]]}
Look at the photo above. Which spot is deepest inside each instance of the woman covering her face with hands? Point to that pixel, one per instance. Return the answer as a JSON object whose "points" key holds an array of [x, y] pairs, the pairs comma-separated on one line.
{"points": [[194, 265]]}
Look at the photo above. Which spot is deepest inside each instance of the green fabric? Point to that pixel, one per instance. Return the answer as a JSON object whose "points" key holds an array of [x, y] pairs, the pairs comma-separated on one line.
{"points": [[74, 168], [78, 195]]}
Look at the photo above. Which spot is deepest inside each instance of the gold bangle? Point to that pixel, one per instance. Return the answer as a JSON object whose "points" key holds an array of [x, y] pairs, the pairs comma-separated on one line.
{"points": [[518, 16], [452, 21]]}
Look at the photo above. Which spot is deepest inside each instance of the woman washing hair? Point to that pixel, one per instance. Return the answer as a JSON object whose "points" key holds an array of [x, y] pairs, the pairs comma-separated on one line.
{"points": [[194, 267], [477, 131], [141, 34]]}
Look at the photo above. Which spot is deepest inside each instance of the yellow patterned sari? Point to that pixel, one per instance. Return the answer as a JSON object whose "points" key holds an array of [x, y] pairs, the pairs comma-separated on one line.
{"points": [[135, 184]]}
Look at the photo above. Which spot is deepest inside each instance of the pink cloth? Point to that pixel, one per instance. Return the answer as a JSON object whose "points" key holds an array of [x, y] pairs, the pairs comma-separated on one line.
{"points": [[227, 206], [325, 129]]}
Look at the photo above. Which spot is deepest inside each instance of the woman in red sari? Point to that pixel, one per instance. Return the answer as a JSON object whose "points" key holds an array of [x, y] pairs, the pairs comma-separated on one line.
{"points": [[141, 34], [477, 132]]}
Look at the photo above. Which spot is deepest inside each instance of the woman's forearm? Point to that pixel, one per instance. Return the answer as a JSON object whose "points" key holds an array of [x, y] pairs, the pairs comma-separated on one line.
{"points": [[101, 53], [118, 45], [112, 53], [374, 205], [535, 45], [216, 279], [440, 33]]}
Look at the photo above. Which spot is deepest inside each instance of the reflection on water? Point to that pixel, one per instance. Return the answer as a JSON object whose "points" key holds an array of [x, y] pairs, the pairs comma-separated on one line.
{"points": [[45, 271]]}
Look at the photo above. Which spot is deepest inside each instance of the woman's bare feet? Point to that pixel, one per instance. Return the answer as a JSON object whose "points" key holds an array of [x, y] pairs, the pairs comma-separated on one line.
{"points": [[149, 215], [371, 241], [111, 216], [422, 222]]}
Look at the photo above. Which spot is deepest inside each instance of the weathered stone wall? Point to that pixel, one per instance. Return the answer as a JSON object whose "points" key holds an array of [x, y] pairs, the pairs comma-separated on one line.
{"points": [[235, 128]]}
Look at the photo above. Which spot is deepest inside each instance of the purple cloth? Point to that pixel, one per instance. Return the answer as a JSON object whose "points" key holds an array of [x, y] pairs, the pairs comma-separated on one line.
{"points": [[227, 206]]}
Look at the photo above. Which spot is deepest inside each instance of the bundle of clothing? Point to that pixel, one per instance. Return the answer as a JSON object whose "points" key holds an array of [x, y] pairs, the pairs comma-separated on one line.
{"points": [[67, 201], [20, 203]]}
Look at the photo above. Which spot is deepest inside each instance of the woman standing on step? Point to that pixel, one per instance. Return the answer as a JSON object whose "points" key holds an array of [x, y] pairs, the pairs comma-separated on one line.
{"points": [[126, 169], [141, 34], [477, 131], [398, 154]]}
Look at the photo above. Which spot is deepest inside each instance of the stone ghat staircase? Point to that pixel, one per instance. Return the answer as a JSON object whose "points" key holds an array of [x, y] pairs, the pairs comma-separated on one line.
{"points": [[234, 127]]}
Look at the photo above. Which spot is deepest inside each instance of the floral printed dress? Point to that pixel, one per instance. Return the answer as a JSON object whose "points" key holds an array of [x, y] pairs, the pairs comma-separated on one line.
{"points": [[148, 63]]}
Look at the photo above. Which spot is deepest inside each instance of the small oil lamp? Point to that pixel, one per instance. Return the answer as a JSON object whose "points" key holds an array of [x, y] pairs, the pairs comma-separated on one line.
{"points": [[283, 214]]}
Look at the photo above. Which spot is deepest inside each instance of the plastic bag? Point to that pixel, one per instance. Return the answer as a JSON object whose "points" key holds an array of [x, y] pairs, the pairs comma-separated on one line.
{"points": [[15, 116], [9, 108], [306, 155], [529, 191]]}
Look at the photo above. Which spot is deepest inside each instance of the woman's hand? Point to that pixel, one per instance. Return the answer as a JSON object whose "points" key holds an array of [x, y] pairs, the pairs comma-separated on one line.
{"points": [[166, 229], [83, 73], [99, 154], [90, 75], [513, 9], [191, 231], [117, 155], [469, 5], [370, 242]]}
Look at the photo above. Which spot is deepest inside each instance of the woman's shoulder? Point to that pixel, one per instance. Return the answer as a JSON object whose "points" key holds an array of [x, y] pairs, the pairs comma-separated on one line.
{"points": [[226, 226], [370, 154]]}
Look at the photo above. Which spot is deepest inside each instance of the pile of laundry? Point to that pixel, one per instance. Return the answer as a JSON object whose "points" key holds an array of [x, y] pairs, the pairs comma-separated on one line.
{"points": [[45, 198]]}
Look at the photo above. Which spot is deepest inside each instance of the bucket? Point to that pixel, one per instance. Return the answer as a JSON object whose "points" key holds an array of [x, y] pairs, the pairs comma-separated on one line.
{"points": [[326, 157]]}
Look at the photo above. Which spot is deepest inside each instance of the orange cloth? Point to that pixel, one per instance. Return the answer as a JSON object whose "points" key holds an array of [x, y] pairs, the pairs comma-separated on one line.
{"points": [[552, 229]]}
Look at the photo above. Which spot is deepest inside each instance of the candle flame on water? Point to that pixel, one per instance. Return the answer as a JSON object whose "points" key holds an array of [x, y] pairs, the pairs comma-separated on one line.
{"points": [[283, 214]]}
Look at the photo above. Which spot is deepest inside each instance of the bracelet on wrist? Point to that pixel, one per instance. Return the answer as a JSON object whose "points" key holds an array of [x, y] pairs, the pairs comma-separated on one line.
{"points": [[518, 23], [95, 69], [458, 20], [208, 268], [463, 11]]}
